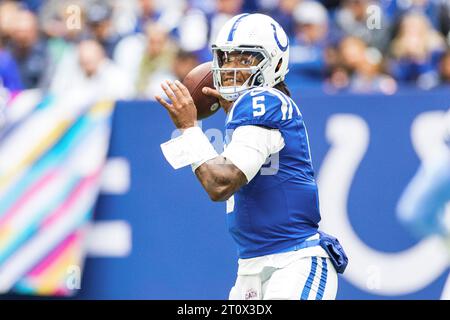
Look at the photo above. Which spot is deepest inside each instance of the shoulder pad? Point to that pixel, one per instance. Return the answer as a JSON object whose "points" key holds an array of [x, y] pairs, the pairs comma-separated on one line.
{"points": [[262, 106]]}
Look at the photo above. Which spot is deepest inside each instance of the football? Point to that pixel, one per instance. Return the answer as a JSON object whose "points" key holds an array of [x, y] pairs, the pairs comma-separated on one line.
{"points": [[199, 77]]}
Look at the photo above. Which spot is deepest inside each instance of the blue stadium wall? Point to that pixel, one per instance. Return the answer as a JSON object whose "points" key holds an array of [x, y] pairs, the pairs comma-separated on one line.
{"points": [[181, 248]]}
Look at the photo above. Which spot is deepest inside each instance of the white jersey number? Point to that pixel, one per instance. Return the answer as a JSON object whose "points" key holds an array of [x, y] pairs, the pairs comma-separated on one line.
{"points": [[258, 106]]}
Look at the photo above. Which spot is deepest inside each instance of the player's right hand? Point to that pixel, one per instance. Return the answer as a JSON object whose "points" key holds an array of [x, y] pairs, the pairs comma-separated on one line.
{"points": [[225, 104], [182, 110]]}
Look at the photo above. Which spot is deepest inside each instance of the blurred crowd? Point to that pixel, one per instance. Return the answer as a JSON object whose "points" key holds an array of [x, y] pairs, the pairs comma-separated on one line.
{"points": [[124, 49]]}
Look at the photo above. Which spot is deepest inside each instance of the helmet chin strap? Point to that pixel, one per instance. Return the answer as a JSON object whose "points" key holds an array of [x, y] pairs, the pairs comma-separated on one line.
{"points": [[232, 93]]}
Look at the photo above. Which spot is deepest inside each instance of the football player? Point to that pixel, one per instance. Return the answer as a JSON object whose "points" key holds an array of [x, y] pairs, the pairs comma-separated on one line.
{"points": [[272, 214]]}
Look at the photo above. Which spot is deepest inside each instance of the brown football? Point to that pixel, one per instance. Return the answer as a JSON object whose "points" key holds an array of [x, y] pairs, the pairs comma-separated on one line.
{"points": [[195, 80]]}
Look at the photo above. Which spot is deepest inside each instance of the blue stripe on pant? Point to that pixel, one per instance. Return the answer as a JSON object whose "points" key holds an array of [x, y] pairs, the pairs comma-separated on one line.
{"points": [[310, 279], [323, 280]]}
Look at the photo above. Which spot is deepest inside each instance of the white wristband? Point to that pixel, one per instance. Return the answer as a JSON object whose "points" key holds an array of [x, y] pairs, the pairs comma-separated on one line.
{"points": [[191, 147]]}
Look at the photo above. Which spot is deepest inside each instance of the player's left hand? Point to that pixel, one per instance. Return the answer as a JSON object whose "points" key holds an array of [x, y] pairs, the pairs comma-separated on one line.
{"points": [[225, 104], [182, 110]]}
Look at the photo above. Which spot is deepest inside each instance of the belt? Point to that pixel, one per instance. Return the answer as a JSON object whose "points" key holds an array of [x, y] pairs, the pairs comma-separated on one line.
{"points": [[301, 245]]}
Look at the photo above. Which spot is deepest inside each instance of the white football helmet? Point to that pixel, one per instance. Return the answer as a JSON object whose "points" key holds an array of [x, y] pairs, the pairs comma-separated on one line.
{"points": [[261, 37]]}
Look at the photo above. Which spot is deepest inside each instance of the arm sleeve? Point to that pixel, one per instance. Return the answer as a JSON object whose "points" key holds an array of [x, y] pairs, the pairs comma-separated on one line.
{"points": [[250, 147]]}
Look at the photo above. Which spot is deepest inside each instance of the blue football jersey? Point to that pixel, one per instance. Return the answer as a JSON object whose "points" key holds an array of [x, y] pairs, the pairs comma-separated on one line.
{"points": [[279, 207]]}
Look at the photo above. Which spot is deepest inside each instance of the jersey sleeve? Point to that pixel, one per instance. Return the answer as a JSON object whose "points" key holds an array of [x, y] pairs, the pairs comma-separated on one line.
{"points": [[263, 107], [250, 147]]}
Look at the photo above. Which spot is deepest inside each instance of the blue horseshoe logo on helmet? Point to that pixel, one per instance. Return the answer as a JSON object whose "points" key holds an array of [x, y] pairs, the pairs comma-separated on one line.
{"points": [[282, 48]]}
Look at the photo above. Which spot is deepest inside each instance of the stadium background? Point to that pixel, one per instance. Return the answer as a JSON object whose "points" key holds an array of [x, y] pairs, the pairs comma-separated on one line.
{"points": [[372, 116]]}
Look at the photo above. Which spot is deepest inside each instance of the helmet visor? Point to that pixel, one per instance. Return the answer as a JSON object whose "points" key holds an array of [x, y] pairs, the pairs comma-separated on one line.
{"points": [[238, 58]]}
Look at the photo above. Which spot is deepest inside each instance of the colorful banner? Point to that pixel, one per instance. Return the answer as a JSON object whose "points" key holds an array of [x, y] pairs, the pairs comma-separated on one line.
{"points": [[51, 160]]}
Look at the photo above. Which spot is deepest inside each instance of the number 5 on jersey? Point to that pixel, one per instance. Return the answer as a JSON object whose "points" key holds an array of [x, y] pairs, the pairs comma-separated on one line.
{"points": [[258, 106]]}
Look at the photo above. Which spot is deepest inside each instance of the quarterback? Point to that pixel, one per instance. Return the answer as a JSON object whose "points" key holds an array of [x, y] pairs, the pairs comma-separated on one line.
{"points": [[272, 214]]}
